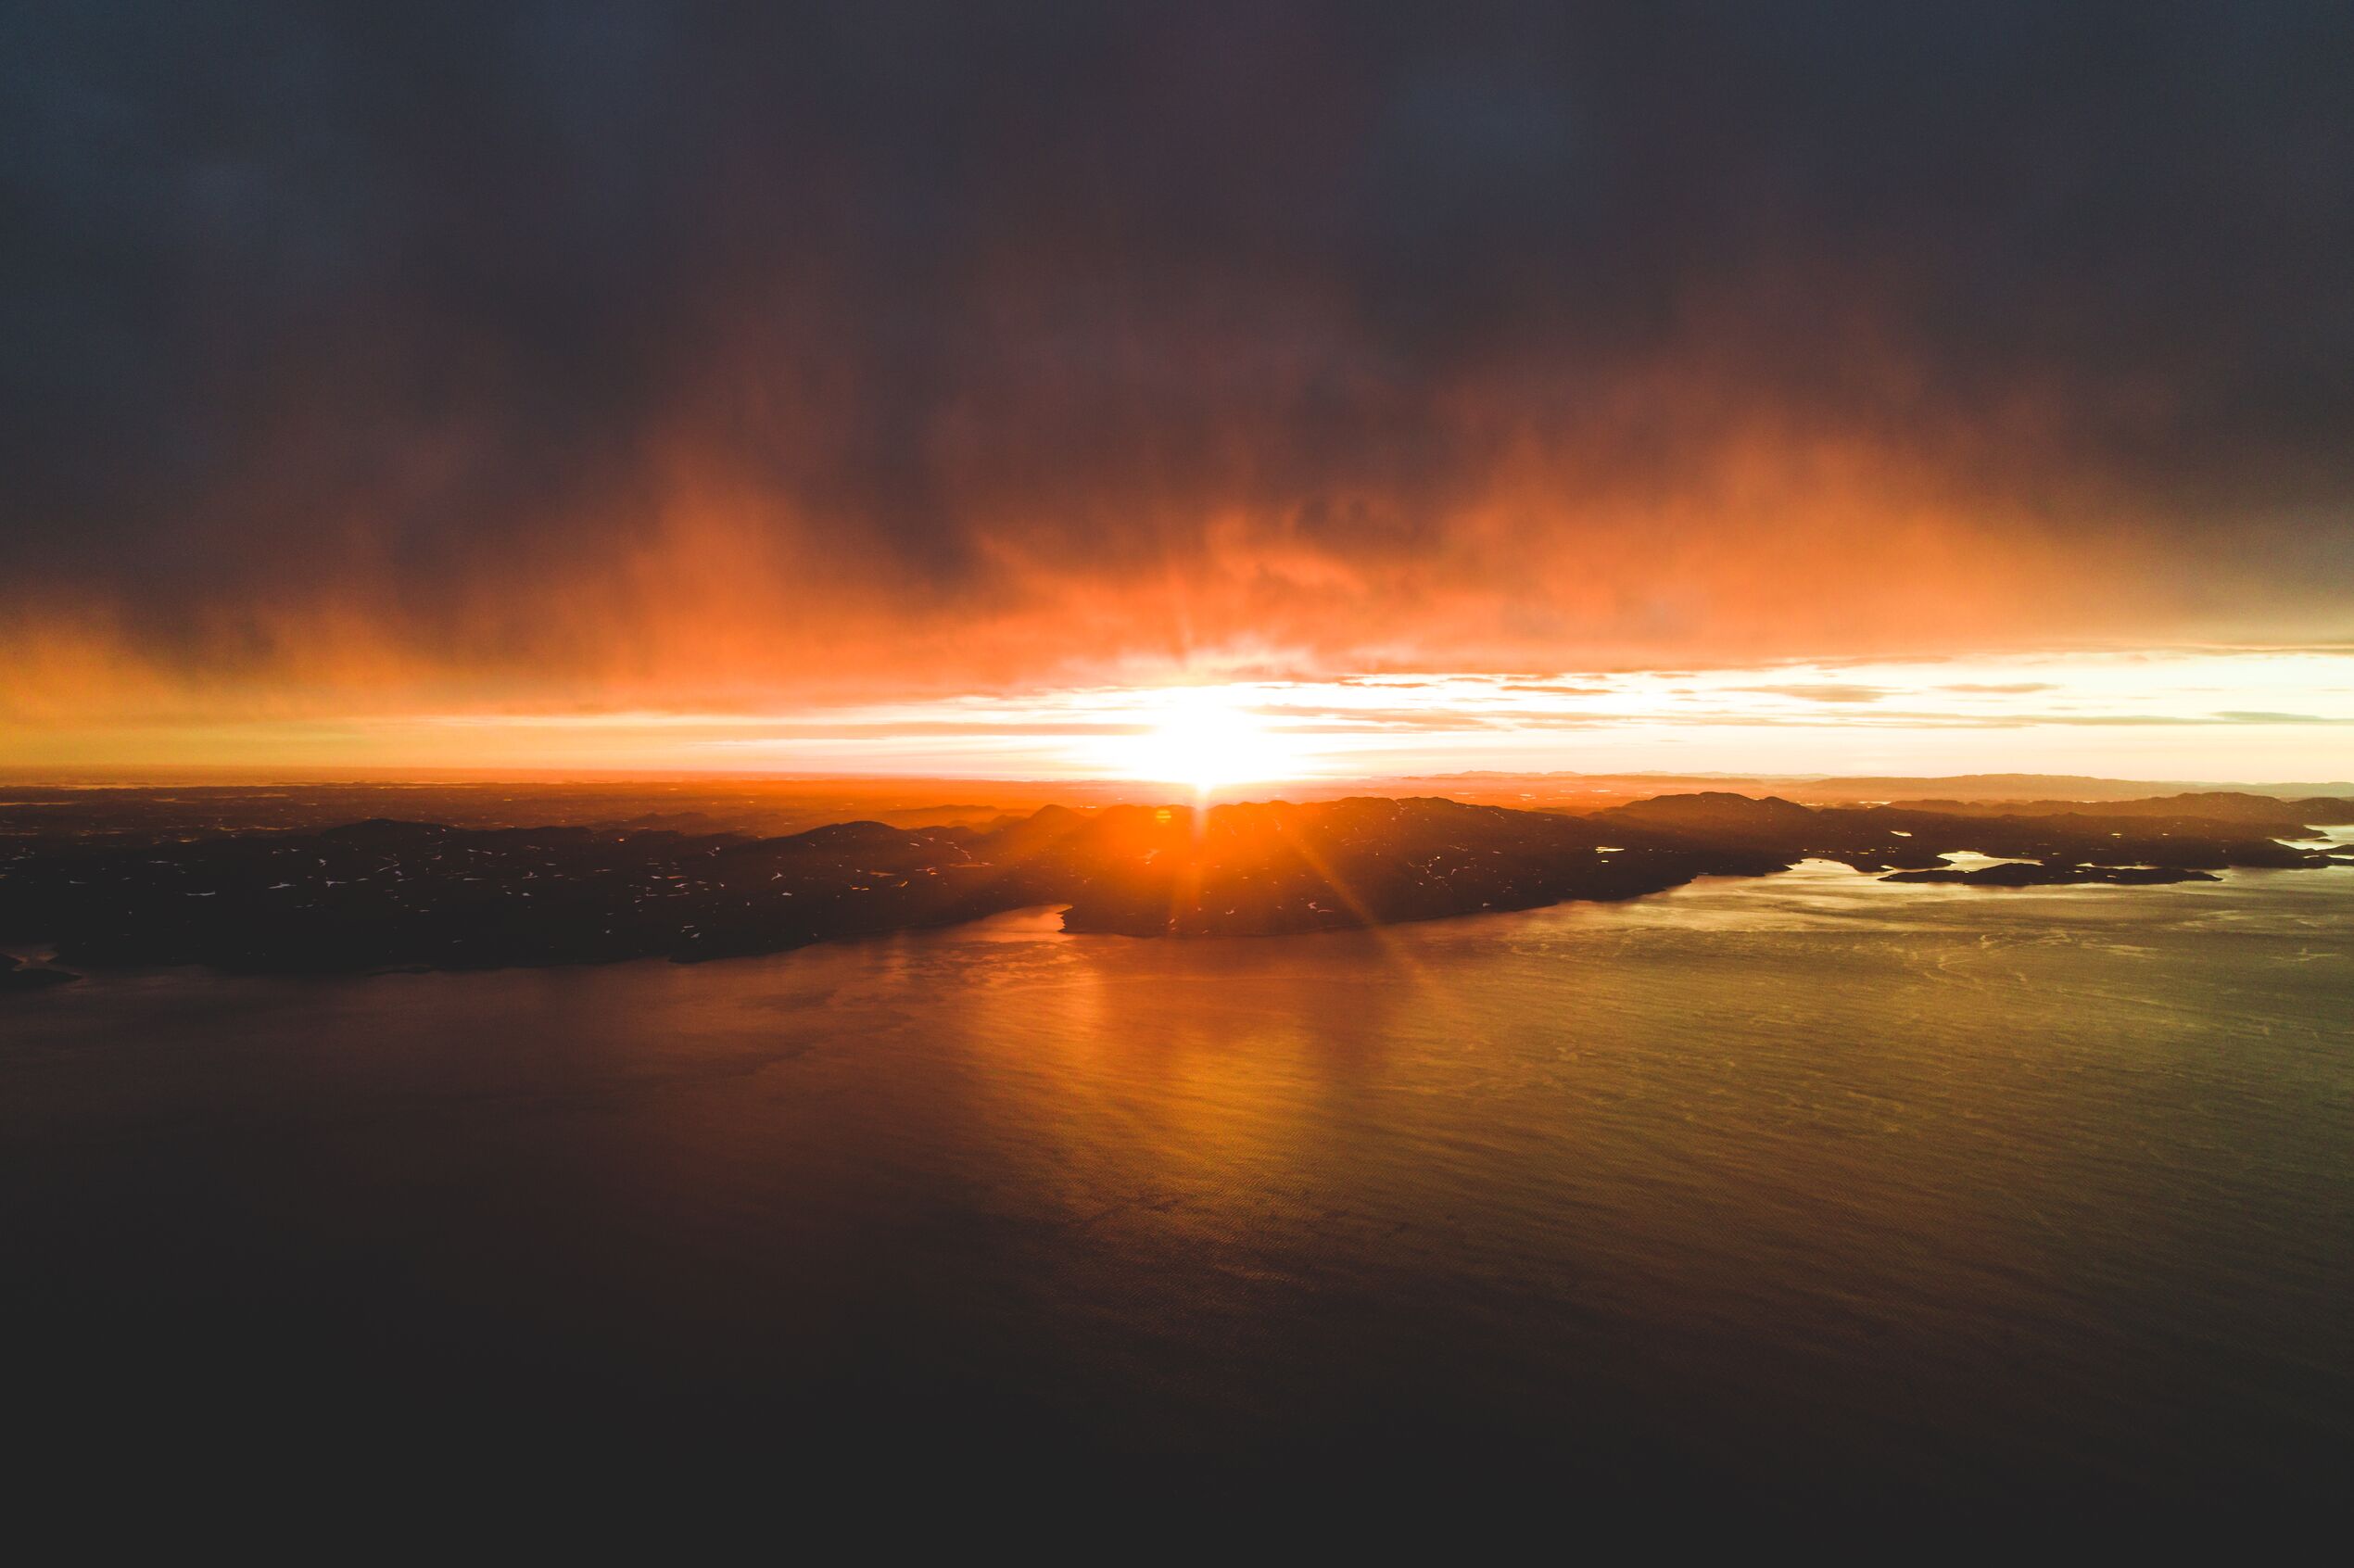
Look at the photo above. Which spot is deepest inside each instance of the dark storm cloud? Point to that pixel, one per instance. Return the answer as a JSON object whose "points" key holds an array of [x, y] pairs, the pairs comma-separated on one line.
{"points": [[419, 307]]}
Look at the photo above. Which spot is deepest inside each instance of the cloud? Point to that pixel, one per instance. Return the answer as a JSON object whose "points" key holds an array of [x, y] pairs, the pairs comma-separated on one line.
{"points": [[1821, 692], [2232, 717], [658, 355], [1331, 718]]}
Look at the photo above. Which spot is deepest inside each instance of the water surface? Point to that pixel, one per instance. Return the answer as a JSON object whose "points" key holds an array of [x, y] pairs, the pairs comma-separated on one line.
{"points": [[1775, 1187]]}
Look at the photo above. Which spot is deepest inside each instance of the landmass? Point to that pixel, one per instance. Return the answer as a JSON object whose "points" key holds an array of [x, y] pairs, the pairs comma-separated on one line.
{"points": [[385, 893], [16, 975]]}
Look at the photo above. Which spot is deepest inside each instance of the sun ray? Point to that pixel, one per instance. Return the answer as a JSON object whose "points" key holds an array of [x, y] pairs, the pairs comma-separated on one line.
{"points": [[1393, 950]]}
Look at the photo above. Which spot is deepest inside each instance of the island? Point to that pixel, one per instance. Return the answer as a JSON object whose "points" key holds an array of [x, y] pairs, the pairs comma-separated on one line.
{"points": [[383, 893]]}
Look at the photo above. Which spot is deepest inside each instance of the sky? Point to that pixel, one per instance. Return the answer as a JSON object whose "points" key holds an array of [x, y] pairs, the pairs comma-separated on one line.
{"points": [[1001, 388]]}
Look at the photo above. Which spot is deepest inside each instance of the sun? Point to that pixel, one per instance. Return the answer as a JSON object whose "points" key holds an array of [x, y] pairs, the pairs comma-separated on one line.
{"points": [[1202, 738]]}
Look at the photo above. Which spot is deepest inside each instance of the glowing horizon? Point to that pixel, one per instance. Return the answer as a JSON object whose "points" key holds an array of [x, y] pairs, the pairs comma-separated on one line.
{"points": [[2290, 717]]}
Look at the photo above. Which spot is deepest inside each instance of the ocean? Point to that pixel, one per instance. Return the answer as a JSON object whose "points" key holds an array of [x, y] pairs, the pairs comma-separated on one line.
{"points": [[1783, 1190]]}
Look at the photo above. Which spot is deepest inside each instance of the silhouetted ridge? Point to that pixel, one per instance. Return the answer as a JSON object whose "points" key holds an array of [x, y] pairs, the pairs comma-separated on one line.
{"points": [[1715, 810], [855, 835], [387, 893], [2262, 812]]}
